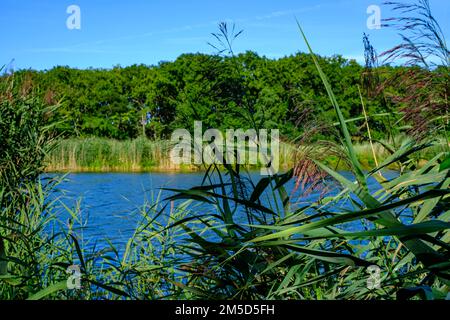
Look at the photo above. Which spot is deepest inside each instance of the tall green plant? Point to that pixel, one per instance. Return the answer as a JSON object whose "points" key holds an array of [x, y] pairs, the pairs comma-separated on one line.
{"points": [[248, 247]]}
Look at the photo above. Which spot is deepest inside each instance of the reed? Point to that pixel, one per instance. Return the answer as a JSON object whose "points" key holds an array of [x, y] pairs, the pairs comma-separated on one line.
{"points": [[143, 155], [106, 155], [140, 155], [258, 245]]}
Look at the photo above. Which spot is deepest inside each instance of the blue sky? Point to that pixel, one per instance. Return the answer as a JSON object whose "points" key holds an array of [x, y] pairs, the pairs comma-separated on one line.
{"points": [[35, 35]]}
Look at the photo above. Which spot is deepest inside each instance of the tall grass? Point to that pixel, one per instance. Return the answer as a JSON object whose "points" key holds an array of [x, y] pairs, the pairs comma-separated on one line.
{"points": [[143, 155], [255, 244], [139, 155], [29, 258], [36, 244], [100, 154]]}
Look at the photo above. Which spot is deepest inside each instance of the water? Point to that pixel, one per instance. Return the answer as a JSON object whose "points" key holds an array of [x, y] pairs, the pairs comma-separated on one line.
{"points": [[110, 202]]}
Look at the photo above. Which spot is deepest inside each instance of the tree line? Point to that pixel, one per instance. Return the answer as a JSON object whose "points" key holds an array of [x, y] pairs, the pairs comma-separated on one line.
{"points": [[242, 91]]}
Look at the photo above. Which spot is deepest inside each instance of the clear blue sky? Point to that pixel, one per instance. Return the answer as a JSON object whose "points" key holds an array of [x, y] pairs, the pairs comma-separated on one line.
{"points": [[34, 33]]}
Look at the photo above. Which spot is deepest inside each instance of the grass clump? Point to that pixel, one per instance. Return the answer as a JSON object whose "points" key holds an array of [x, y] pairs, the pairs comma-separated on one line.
{"points": [[106, 155], [143, 155]]}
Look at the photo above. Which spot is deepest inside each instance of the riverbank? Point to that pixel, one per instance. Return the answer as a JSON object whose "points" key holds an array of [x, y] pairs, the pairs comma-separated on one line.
{"points": [[144, 155], [138, 155]]}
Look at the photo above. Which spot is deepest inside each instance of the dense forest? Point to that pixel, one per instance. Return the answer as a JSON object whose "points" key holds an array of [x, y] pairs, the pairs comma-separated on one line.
{"points": [[124, 102]]}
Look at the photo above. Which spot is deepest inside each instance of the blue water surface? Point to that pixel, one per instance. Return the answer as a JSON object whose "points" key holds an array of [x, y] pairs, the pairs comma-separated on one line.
{"points": [[110, 203]]}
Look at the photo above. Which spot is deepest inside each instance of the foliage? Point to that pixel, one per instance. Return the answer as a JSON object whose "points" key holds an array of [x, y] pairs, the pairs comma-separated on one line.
{"points": [[210, 88], [24, 132], [230, 237], [267, 249]]}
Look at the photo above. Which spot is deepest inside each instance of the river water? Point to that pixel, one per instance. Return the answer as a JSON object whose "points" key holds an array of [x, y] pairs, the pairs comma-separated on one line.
{"points": [[110, 203]]}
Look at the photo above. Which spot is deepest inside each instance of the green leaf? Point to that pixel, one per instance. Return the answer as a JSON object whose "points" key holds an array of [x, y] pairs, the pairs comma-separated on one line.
{"points": [[49, 290], [346, 134], [349, 216], [338, 258], [10, 279], [411, 230], [259, 189], [109, 288], [445, 164]]}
